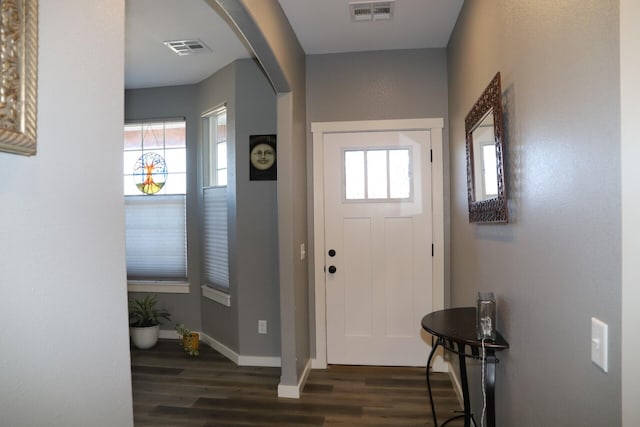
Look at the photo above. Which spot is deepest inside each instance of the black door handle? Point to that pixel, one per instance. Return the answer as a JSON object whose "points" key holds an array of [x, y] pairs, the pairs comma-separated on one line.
{"points": [[332, 269]]}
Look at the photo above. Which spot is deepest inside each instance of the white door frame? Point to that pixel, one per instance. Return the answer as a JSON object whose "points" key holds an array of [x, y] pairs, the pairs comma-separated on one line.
{"points": [[318, 129]]}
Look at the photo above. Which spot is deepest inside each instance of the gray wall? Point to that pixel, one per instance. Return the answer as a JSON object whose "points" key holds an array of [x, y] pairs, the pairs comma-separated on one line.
{"points": [[399, 84], [284, 61], [176, 102], [267, 30], [253, 242], [557, 263], [218, 321], [630, 152], [64, 338], [390, 84], [257, 217], [253, 230]]}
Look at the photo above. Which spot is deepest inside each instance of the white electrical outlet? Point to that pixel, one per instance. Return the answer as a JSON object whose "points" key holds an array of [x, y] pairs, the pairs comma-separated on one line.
{"points": [[262, 327], [599, 343]]}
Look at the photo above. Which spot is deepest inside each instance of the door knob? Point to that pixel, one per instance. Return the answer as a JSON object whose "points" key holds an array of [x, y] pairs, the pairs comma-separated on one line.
{"points": [[332, 252], [332, 269]]}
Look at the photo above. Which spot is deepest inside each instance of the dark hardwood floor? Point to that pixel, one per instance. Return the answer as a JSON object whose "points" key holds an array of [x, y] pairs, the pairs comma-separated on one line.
{"points": [[173, 389]]}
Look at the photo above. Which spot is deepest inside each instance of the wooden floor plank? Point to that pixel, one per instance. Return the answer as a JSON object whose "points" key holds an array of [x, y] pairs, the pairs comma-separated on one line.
{"points": [[173, 389]]}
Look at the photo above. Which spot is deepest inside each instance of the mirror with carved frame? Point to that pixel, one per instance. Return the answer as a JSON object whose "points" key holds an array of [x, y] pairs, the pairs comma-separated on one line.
{"points": [[484, 132], [18, 76]]}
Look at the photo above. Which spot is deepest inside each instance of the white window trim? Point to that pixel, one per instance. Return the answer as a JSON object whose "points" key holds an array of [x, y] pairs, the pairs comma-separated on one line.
{"points": [[211, 155], [160, 287], [216, 295]]}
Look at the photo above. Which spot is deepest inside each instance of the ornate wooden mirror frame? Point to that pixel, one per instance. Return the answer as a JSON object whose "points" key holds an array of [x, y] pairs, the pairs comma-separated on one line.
{"points": [[491, 207]]}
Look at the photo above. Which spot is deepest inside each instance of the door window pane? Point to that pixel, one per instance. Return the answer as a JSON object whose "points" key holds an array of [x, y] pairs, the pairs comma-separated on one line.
{"points": [[354, 175], [377, 174], [399, 174]]}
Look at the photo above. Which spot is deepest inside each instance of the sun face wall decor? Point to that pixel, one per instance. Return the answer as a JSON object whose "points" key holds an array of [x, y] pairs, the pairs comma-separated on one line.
{"points": [[262, 158]]}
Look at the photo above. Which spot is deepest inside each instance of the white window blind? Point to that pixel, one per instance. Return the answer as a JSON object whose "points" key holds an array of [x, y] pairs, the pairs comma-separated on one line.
{"points": [[156, 240], [216, 243]]}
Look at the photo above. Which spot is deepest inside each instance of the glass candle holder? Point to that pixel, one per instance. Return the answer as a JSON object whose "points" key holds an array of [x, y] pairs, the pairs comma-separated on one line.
{"points": [[486, 316]]}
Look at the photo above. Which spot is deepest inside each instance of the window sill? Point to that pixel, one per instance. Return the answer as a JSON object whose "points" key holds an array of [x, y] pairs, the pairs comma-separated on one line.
{"points": [[158, 287], [216, 295]]}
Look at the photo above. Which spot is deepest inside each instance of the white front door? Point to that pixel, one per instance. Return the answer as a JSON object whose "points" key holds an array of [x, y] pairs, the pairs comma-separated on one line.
{"points": [[378, 236]]}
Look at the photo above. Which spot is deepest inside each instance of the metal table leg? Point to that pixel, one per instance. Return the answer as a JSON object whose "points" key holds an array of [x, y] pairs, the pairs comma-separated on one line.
{"points": [[489, 384], [466, 399], [465, 385], [433, 408]]}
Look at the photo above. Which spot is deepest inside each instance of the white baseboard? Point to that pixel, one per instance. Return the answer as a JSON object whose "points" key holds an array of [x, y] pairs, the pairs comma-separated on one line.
{"points": [[264, 361], [220, 348], [294, 391], [457, 387], [238, 359], [318, 364]]}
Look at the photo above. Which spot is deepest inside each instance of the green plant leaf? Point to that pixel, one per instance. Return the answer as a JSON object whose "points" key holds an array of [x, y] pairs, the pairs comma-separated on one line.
{"points": [[143, 312]]}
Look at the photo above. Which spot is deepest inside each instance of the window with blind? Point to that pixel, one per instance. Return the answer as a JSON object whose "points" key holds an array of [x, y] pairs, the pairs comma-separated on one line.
{"points": [[215, 124], [155, 205], [215, 230], [216, 247]]}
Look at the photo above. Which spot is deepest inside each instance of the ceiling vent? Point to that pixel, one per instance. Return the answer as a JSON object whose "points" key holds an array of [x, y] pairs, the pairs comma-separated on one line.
{"points": [[187, 47], [371, 11]]}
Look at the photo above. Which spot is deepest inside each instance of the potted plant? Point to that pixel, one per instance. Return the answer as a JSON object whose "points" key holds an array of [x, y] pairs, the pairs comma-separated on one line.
{"points": [[144, 321], [189, 341]]}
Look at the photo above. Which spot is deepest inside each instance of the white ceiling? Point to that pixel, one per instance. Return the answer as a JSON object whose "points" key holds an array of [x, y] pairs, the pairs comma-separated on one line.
{"points": [[149, 23], [322, 26]]}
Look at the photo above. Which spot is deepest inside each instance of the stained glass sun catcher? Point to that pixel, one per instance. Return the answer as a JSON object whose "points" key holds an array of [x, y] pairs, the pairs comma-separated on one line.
{"points": [[150, 173]]}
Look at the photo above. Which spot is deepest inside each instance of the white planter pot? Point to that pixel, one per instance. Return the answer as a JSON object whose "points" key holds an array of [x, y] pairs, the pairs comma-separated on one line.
{"points": [[146, 337]]}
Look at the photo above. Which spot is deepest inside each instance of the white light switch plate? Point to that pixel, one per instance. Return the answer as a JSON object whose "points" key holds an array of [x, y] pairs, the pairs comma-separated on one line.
{"points": [[262, 326], [599, 343]]}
